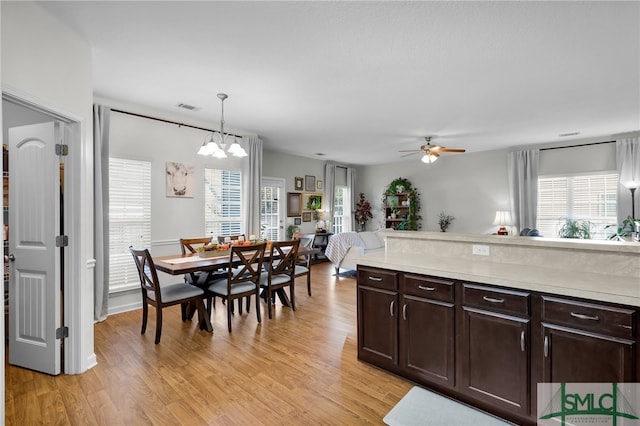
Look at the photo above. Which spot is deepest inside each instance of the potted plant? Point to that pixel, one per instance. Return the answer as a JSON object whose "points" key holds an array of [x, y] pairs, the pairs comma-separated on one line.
{"points": [[444, 220], [291, 229], [363, 211], [625, 231], [573, 228]]}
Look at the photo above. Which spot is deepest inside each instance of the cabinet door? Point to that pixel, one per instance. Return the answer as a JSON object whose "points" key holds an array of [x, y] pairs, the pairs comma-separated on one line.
{"points": [[576, 356], [495, 359], [427, 340], [378, 327]]}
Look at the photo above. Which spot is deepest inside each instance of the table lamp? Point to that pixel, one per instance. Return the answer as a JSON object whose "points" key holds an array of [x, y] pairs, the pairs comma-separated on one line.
{"points": [[502, 219]]}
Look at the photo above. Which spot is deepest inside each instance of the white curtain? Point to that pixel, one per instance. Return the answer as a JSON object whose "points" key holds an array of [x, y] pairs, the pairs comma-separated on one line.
{"points": [[523, 187], [330, 190], [628, 163], [101, 117], [251, 183], [351, 186]]}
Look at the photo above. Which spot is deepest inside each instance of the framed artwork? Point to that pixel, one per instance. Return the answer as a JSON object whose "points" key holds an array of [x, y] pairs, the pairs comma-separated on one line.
{"points": [[297, 221], [306, 216], [319, 185], [313, 201], [294, 204], [180, 179], [298, 183], [309, 183]]}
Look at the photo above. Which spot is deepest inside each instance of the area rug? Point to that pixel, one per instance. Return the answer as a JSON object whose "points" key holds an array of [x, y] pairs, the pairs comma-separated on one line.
{"points": [[419, 407], [347, 274]]}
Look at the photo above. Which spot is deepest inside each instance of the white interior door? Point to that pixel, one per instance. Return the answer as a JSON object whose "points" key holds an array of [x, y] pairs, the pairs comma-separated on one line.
{"points": [[34, 223]]}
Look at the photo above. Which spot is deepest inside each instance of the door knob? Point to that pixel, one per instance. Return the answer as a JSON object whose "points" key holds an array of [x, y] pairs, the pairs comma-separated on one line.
{"points": [[12, 257]]}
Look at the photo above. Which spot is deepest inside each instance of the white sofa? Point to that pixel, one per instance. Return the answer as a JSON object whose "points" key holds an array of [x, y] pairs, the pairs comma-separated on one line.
{"points": [[343, 249]]}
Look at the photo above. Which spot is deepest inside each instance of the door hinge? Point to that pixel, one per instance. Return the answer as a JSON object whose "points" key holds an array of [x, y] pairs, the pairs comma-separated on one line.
{"points": [[62, 241], [62, 149], [62, 332]]}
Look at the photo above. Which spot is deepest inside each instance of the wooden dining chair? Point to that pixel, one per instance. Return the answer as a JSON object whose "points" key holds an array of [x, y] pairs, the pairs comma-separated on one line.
{"points": [[166, 295], [280, 273], [231, 238], [199, 279], [303, 262], [243, 280]]}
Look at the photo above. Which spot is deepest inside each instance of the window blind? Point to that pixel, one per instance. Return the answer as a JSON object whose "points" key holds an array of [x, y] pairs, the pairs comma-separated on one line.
{"points": [[222, 197], [584, 197], [129, 218]]}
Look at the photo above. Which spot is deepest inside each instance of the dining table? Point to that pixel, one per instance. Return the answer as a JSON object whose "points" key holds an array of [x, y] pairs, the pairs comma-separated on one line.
{"points": [[179, 264]]}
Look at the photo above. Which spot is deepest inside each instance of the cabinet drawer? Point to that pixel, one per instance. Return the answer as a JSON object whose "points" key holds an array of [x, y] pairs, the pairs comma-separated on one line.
{"points": [[496, 299], [428, 287], [379, 278], [611, 320]]}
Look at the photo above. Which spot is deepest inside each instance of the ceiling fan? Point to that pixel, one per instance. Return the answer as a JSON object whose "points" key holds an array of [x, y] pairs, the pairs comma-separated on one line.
{"points": [[431, 152]]}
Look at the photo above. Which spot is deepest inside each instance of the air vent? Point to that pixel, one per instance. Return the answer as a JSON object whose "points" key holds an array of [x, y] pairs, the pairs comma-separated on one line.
{"points": [[187, 106]]}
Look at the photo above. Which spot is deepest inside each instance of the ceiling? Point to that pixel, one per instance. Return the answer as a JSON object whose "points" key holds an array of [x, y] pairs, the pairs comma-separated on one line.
{"points": [[359, 81]]}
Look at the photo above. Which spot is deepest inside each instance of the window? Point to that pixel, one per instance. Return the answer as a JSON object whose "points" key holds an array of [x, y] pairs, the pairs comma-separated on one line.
{"points": [[222, 196], [129, 219], [589, 197], [341, 210]]}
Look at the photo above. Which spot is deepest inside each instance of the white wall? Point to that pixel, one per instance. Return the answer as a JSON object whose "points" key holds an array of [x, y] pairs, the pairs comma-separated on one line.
{"points": [[472, 186], [44, 62], [286, 166]]}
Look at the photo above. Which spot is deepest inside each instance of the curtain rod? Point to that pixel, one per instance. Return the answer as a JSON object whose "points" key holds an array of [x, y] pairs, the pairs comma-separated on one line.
{"points": [[576, 146], [170, 122]]}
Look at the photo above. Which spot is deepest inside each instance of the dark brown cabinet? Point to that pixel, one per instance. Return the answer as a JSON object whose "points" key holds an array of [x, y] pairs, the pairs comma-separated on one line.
{"points": [[586, 342], [494, 351], [427, 329], [378, 317], [490, 346]]}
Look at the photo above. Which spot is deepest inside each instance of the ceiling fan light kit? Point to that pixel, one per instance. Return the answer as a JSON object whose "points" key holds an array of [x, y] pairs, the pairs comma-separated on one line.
{"points": [[431, 152]]}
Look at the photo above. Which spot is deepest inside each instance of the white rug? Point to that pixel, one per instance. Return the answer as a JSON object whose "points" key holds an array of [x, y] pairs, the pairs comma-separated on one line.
{"points": [[419, 407]]}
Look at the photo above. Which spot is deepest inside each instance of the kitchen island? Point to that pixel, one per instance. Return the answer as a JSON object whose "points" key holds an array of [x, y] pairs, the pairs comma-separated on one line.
{"points": [[484, 319]]}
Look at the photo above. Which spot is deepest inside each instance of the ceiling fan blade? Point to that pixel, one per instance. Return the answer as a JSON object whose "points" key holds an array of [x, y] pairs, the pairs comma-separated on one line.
{"points": [[411, 153], [409, 150], [451, 150]]}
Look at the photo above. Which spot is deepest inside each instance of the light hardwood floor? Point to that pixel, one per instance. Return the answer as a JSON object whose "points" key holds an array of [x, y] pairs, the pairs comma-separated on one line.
{"points": [[298, 368]]}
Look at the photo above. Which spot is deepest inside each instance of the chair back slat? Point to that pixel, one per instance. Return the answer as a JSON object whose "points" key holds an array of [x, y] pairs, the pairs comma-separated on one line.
{"points": [[146, 272], [191, 244], [249, 260], [283, 257]]}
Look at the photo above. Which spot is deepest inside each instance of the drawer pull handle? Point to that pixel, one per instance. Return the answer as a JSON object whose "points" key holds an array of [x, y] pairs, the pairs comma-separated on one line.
{"points": [[421, 287], [493, 299], [391, 308], [522, 341], [585, 317], [546, 346], [375, 278], [628, 327], [404, 312]]}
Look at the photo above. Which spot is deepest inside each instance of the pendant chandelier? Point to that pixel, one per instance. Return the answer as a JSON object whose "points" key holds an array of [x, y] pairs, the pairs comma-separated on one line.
{"points": [[218, 144]]}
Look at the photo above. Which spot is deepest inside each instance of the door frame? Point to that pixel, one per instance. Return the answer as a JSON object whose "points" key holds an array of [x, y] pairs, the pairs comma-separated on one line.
{"points": [[79, 263]]}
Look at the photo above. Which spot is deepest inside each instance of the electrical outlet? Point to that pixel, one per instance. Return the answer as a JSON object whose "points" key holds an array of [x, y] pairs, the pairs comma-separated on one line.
{"points": [[480, 250]]}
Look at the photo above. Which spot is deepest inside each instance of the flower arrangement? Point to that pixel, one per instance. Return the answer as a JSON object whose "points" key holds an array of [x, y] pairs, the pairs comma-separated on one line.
{"points": [[363, 210]]}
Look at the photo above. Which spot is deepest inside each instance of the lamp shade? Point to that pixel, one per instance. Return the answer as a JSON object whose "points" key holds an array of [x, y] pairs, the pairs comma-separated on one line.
{"points": [[502, 218], [631, 184]]}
